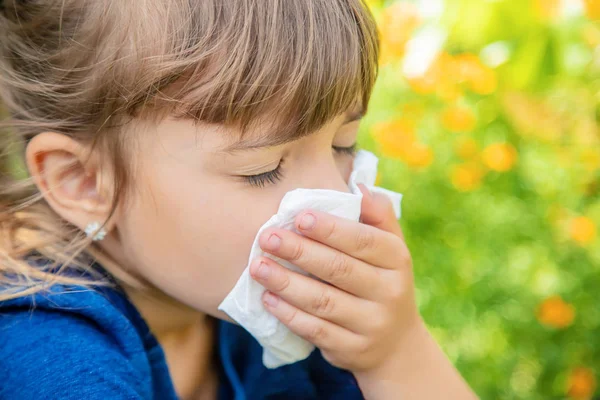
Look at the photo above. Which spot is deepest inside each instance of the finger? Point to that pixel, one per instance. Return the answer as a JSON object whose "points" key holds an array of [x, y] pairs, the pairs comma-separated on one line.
{"points": [[314, 297], [323, 334], [339, 269], [364, 242], [377, 211]]}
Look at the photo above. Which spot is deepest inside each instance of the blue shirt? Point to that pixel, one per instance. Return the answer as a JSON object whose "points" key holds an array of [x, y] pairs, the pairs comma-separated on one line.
{"points": [[79, 343]]}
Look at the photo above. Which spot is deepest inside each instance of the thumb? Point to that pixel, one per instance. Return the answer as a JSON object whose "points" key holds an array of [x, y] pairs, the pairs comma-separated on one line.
{"points": [[378, 211]]}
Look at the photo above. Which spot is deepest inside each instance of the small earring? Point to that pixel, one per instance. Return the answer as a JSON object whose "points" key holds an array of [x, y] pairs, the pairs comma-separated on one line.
{"points": [[94, 230]]}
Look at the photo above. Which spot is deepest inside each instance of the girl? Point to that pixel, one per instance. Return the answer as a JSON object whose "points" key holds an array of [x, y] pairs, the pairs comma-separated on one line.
{"points": [[159, 136]]}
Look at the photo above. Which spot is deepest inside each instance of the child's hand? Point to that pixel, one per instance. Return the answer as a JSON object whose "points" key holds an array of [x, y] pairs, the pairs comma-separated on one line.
{"points": [[360, 319]]}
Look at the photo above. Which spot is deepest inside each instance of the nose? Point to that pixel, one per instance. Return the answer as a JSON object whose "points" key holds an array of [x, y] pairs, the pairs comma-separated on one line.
{"points": [[326, 175]]}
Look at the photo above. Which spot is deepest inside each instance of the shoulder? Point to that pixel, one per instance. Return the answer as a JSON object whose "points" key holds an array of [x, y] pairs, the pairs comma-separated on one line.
{"points": [[71, 342]]}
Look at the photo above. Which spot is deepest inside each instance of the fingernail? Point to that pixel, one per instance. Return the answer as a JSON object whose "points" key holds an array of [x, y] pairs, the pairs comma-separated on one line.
{"points": [[273, 243], [270, 299], [263, 270], [307, 221]]}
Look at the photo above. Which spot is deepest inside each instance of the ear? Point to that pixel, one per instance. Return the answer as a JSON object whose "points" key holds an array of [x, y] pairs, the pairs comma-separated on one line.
{"points": [[70, 178]]}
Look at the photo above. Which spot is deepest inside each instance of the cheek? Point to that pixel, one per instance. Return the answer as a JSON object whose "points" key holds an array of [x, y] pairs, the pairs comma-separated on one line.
{"points": [[193, 241], [345, 164]]}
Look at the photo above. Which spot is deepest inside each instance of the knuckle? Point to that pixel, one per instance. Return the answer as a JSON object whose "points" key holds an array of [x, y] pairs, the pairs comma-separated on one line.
{"points": [[290, 318], [331, 230], [405, 257], [365, 240], [402, 254], [395, 291], [339, 268], [378, 322], [297, 252], [283, 283], [324, 303], [317, 334]]}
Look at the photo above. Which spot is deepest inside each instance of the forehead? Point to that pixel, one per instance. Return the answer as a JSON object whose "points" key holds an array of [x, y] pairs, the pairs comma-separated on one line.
{"points": [[268, 134], [179, 136]]}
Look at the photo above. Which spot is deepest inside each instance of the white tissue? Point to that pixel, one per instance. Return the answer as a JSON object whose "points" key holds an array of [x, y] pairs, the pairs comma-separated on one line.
{"points": [[244, 303]]}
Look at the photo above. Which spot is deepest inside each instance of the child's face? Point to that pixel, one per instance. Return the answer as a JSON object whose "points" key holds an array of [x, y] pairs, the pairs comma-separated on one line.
{"points": [[191, 216]]}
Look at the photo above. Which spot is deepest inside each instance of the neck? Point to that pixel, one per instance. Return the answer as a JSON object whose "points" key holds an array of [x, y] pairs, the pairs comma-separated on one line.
{"points": [[163, 314], [165, 317], [185, 335]]}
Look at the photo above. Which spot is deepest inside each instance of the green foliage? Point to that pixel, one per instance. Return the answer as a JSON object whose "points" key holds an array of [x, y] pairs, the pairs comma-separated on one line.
{"points": [[498, 155]]}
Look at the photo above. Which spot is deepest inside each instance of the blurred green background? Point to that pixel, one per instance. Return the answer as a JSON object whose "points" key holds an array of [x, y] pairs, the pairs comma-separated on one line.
{"points": [[487, 115]]}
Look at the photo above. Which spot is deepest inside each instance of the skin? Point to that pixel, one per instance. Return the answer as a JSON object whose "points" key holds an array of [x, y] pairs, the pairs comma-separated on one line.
{"points": [[166, 243]]}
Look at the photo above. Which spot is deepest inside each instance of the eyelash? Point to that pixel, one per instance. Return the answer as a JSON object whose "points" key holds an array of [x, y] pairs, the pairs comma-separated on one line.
{"points": [[351, 151], [261, 180], [275, 175]]}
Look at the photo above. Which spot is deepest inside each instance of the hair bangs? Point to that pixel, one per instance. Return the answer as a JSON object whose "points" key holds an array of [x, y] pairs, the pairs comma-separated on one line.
{"points": [[293, 65]]}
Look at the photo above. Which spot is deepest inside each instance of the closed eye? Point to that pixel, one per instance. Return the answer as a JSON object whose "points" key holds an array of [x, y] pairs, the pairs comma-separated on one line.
{"points": [[351, 150], [264, 178], [272, 177]]}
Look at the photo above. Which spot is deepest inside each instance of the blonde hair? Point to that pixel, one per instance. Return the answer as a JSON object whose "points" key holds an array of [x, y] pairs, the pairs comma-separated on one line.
{"points": [[86, 68]]}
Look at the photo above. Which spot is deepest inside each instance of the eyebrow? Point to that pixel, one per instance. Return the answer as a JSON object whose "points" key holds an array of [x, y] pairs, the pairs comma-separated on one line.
{"points": [[279, 139]]}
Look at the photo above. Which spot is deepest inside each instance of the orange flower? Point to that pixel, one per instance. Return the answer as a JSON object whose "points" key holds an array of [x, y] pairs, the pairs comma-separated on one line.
{"points": [[592, 9], [466, 148], [556, 313], [448, 90], [582, 230], [466, 176], [425, 84], [397, 25], [418, 155], [480, 78], [532, 116], [581, 384], [500, 157], [440, 78], [485, 82], [412, 110], [395, 137], [458, 119]]}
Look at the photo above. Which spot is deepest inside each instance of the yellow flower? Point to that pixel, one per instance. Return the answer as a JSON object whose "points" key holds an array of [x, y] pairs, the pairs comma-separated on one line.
{"points": [[458, 119], [556, 313], [582, 230], [547, 9], [394, 137], [592, 9], [499, 157], [467, 176], [581, 384], [466, 148]]}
